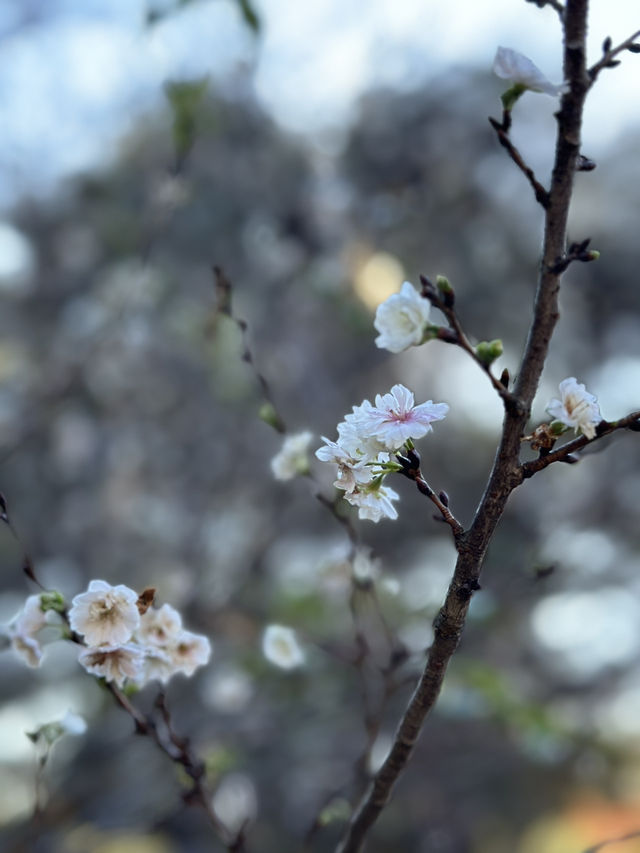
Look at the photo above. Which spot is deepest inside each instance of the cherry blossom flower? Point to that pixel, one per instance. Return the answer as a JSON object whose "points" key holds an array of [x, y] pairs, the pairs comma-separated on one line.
{"points": [[117, 663], [158, 665], [292, 460], [577, 408], [351, 470], [22, 632], [280, 647], [189, 651], [159, 626], [521, 71], [374, 503], [395, 419], [105, 614], [402, 319]]}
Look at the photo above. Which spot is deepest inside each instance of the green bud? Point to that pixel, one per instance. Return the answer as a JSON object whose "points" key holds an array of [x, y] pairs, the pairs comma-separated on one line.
{"points": [[443, 284], [268, 414], [337, 810], [447, 291], [557, 427], [431, 333], [488, 351], [593, 255], [52, 600], [510, 97]]}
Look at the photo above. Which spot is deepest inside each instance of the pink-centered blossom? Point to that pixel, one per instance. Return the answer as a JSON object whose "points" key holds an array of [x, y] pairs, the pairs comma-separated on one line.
{"points": [[577, 408], [395, 418]]}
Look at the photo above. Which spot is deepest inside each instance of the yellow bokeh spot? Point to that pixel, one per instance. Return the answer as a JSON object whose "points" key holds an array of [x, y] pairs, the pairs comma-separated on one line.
{"points": [[88, 837], [380, 275]]}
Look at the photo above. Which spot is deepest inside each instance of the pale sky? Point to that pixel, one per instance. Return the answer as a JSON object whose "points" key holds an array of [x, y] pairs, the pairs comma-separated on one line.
{"points": [[75, 79]]}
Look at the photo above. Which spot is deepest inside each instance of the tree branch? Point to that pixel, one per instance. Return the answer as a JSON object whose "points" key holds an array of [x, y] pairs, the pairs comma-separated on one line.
{"points": [[502, 132], [505, 475], [460, 339], [528, 469], [608, 59]]}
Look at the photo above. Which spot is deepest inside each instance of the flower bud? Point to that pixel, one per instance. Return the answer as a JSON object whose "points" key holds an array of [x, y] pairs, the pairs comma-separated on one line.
{"points": [[268, 414], [444, 286], [52, 600], [488, 351]]}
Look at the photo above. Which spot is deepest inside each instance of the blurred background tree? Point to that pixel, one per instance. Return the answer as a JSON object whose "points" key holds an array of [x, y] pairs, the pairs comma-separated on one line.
{"points": [[132, 451]]}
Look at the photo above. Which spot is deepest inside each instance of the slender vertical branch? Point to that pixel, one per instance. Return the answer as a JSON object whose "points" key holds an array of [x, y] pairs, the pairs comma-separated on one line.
{"points": [[505, 475]]}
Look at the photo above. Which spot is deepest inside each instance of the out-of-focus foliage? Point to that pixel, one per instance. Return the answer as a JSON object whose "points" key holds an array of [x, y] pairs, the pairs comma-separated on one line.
{"points": [[133, 452]]}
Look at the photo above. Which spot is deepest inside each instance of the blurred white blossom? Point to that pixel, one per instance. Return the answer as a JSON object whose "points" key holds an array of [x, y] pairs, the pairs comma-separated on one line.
{"points": [[401, 319], [235, 801], [280, 647], [105, 614], [189, 651], [24, 628], [520, 70], [73, 724], [293, 458], [577, 408]]}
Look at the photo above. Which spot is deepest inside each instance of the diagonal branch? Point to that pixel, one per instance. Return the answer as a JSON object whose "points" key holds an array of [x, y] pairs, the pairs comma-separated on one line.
{"points": [[541, 194], [457, 336]]}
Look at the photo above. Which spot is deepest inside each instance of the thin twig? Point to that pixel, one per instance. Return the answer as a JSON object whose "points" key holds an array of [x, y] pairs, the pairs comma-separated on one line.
{"points": [[541, 194], [224, 307], [458, 337], [178, 750], [610, 55], [411, 469]]}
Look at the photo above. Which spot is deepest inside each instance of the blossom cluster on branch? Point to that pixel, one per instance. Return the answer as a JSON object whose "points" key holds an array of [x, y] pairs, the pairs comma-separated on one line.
{"points": [[367, 440], [123, 639]]}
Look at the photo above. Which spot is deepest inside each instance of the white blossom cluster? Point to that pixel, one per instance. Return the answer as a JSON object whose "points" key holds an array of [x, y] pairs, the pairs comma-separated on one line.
{"points": [[368, 438], [122, 642]]}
